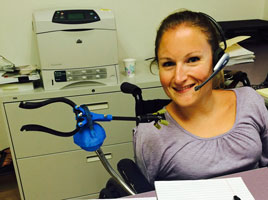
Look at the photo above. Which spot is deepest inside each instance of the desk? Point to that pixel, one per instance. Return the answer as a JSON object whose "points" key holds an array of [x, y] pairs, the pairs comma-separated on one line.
{"points": [[256, 181]]}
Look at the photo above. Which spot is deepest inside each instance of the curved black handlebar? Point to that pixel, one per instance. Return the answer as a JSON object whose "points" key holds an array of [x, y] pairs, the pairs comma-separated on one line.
{"points": [[35, 127], [33, 105]]}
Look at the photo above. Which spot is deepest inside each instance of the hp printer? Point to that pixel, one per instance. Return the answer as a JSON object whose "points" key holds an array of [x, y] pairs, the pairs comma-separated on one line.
{"points": [[77, 47]]}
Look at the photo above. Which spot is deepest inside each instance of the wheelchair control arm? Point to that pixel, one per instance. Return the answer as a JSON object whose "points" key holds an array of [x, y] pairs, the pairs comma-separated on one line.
{"points": [[88, 134]]}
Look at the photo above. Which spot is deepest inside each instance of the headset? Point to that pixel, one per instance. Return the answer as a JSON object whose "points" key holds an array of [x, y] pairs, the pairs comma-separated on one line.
{"points": [[220, 57]]}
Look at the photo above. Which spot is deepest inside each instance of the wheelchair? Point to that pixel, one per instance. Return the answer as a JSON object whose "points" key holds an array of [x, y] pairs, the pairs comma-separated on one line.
{"points": [[127, 168]]}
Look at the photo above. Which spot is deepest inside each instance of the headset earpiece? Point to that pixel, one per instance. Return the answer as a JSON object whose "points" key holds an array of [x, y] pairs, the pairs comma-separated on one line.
{"points": [[217, 55]]}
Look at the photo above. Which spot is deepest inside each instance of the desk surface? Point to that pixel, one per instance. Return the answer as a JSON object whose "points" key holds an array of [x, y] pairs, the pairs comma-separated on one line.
{"points": [[256, 181]]}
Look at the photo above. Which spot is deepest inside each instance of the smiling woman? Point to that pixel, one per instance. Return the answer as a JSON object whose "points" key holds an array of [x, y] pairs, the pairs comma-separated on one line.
{"points": [[211, 132]]}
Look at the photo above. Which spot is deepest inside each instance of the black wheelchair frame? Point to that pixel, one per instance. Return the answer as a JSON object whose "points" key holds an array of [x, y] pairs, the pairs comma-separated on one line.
{"points": [[129, 171]]}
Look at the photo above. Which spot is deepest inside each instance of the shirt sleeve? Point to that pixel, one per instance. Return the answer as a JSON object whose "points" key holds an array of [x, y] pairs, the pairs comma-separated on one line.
{"points": [[147, 155], [264, 159], [264, 138], [264, 132]]}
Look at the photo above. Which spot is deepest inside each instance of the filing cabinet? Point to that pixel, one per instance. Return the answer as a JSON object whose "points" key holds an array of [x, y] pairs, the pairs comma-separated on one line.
{"points": [[51, 167]]}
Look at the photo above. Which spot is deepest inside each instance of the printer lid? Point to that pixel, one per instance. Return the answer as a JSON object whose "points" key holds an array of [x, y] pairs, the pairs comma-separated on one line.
{"points": [[49, 20]]}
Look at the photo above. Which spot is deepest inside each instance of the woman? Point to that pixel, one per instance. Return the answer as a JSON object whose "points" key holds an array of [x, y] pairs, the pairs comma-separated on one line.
{"points": [[210, 132]]}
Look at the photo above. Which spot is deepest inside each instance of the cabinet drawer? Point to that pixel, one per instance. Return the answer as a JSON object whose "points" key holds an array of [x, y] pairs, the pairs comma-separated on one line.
{"points": [[60, 116], [68, 175]]}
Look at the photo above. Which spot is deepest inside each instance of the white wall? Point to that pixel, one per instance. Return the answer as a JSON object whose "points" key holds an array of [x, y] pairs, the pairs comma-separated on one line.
{"points": [[137, 21]]}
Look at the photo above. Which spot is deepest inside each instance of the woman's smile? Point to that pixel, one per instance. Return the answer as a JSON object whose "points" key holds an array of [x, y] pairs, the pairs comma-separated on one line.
{"points": [[184, 89]]}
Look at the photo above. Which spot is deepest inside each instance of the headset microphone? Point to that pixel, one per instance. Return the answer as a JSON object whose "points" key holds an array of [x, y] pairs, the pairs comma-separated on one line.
{"points": [[219, 66]]}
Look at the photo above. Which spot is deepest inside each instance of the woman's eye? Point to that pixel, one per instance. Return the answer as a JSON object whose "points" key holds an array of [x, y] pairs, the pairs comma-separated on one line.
{"points": [[168, 64], [193, 59]]}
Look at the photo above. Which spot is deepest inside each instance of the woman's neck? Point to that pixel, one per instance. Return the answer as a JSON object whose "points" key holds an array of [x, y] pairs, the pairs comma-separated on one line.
{"points": [[193, 112], [214, 116]]}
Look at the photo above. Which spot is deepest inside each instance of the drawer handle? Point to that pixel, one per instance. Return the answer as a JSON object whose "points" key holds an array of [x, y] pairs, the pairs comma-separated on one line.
{"points": [[98, 106], [96, 158]]}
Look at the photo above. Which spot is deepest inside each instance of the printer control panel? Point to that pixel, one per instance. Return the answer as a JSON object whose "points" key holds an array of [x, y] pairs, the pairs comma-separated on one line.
{"points": [[75, 16], [80, 75]]}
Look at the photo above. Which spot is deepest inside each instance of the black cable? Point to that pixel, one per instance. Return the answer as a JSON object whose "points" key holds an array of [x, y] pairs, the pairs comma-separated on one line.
{"points": [[125, 118]]}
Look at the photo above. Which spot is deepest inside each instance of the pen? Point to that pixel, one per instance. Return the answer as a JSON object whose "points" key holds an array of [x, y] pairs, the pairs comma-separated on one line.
{"points": [[236, 197]]}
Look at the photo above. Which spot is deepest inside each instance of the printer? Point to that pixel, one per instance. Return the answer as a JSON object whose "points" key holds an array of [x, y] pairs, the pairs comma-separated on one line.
{"points": [[77, 47]]}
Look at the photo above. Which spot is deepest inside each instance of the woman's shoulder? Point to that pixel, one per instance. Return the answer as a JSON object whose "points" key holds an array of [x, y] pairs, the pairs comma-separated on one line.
{"points": [[247, 95], [250, 102], [246, 91], [241, 94]]}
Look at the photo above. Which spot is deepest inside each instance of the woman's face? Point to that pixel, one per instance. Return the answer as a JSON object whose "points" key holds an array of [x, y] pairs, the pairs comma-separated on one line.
{"points": [[185, 61]]}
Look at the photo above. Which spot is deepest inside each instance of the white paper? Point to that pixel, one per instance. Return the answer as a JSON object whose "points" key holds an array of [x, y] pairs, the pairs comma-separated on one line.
{"points": [[234, 40], [237, 50], [15, 78], [140, 198], [211, 189], [237, 53], [239, 61]]}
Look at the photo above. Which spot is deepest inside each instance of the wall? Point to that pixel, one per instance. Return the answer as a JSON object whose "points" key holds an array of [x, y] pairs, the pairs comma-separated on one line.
{"points": [[137, 21]]}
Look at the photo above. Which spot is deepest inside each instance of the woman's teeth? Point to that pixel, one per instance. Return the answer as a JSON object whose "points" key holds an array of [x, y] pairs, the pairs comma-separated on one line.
{"points": [[185, 87]]}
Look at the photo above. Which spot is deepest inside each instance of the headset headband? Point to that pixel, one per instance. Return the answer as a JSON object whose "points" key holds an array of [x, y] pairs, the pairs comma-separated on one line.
{"points": [[218, 27]]}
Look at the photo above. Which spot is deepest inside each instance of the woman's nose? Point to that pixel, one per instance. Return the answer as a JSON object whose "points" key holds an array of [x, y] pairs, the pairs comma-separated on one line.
{"points": [[180, 74]]}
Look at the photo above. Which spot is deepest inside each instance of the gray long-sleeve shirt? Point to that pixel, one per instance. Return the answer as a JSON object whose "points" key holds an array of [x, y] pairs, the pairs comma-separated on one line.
{"points": [[172, 153]]}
